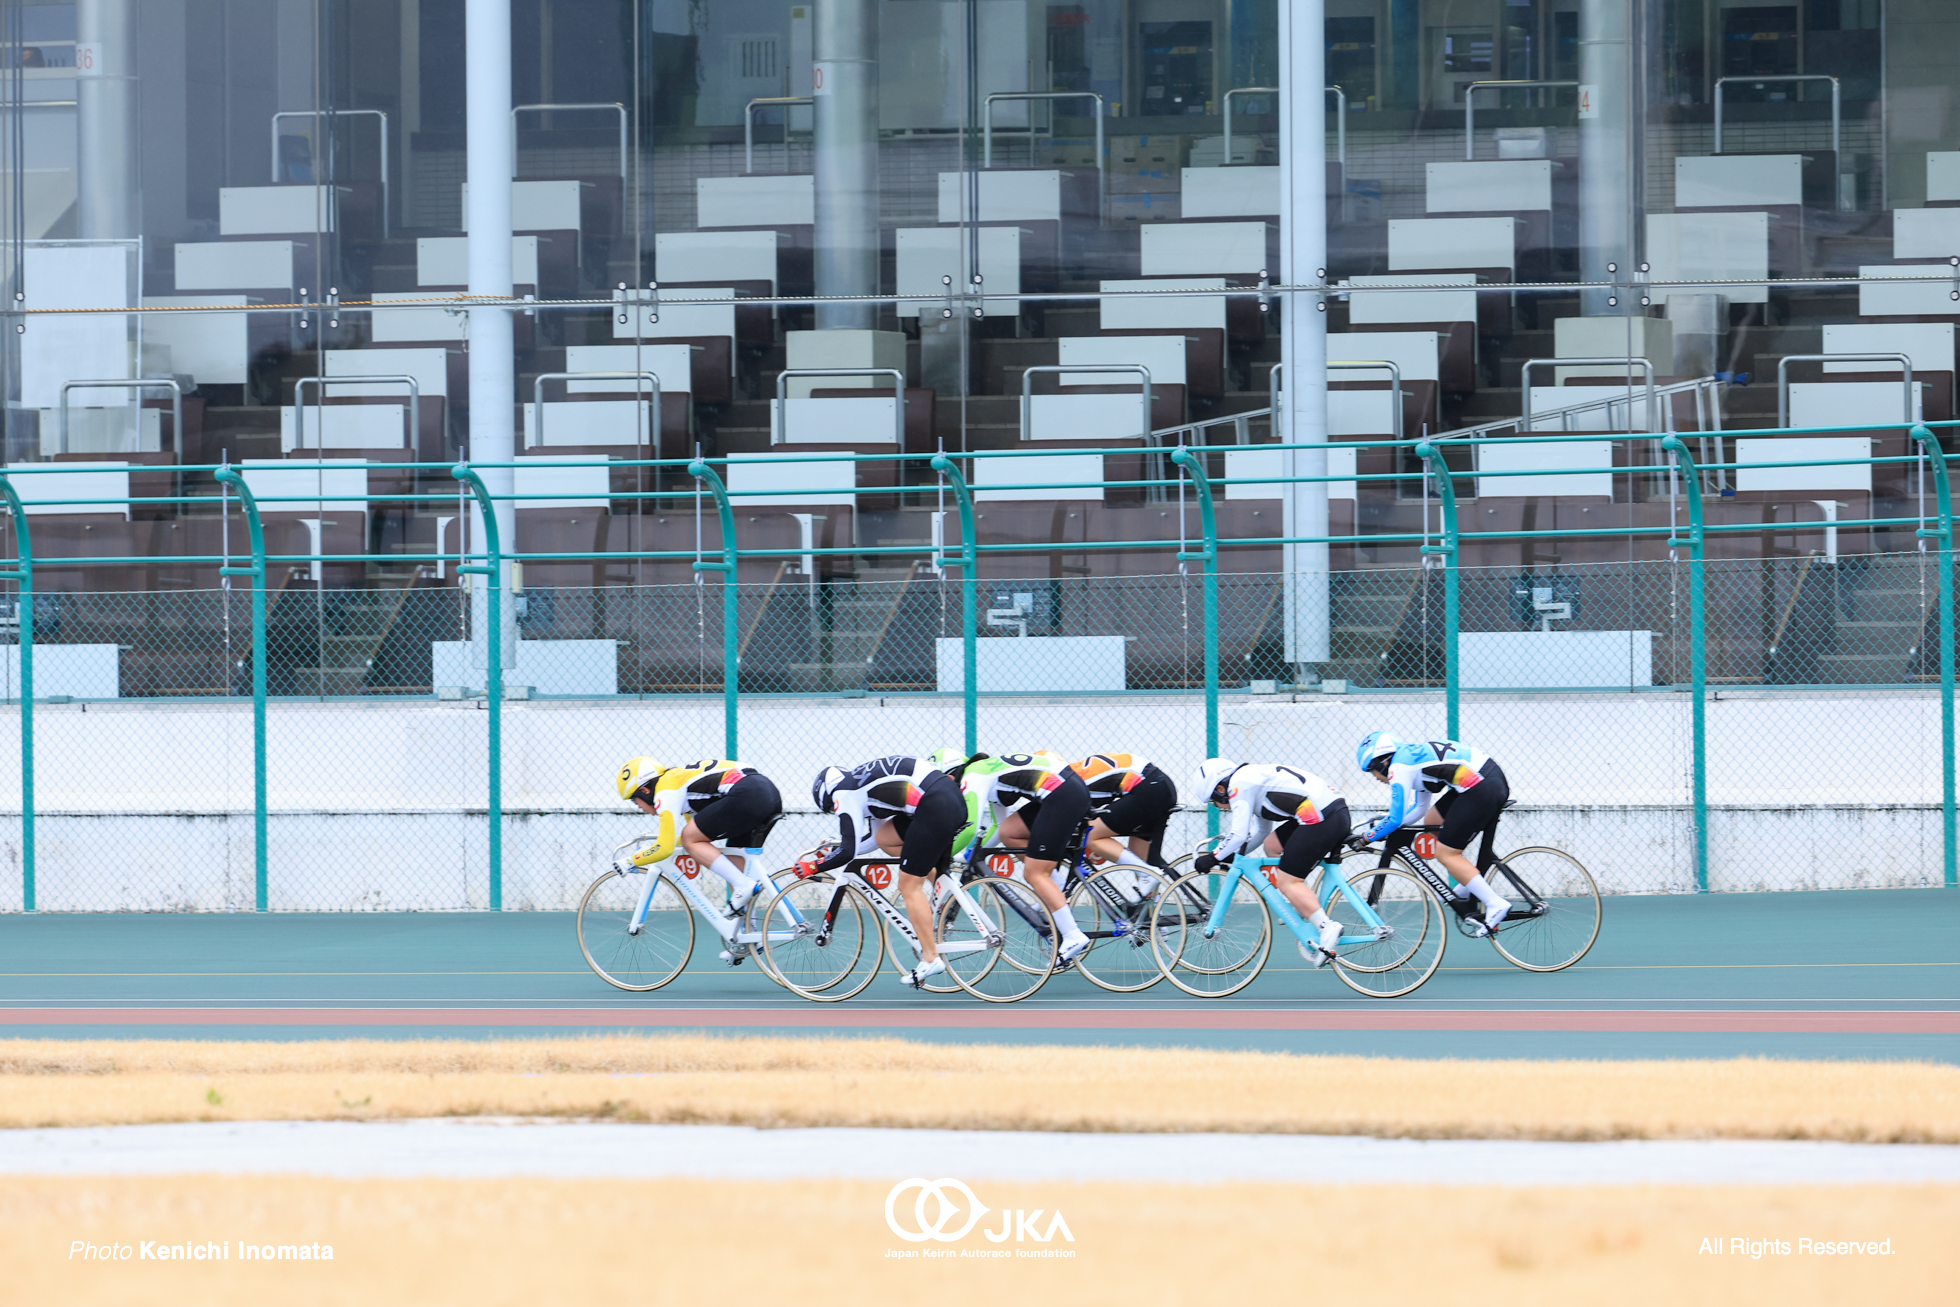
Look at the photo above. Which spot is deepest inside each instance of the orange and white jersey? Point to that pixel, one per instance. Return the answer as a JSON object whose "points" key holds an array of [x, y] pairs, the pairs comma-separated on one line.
{"points": [[1110, 776]]}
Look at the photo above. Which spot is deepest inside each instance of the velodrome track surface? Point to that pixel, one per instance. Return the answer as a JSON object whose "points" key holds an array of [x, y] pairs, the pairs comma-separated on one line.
{"points": [[1857, 974]]}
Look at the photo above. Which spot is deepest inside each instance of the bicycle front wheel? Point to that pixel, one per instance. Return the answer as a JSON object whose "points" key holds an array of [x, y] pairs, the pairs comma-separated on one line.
{"points": [[640, 962], [1003, 948], [821, 940], [1396, 956], [1200, 960], [1120, 958], [1555, 909]]}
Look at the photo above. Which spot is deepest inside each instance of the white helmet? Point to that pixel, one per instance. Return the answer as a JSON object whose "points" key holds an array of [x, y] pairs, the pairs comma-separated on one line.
{"points": [[1212, 773]]}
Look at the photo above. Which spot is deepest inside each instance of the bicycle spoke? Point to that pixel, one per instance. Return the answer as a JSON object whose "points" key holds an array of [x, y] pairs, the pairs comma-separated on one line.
{"points": [[1394, 943], [1120, 957], [822, 941], [1563, 909], [1018, 935], [1210, 961], [642, 961]]}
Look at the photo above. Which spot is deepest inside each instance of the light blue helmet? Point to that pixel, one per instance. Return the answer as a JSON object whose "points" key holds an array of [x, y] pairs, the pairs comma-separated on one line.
{"points": [[1374, 747]]}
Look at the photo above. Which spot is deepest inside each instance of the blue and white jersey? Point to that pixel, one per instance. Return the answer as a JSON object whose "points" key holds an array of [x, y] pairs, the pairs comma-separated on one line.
{"points": [[1419, 771]]}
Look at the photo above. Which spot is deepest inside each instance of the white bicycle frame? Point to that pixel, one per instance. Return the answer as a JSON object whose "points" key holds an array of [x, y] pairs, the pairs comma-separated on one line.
{"points": [[991, 934], [729, 928]]}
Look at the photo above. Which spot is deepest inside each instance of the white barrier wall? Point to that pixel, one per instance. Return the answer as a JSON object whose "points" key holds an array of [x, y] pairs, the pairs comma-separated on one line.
{"points": [[379, 806]]}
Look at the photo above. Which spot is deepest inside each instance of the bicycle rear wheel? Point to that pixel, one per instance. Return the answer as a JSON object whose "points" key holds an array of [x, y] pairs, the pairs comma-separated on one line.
{"points": [[823, 941], [1017, 933], [1408, 947], [1120, 958], [639, 962], [1554, 905], [1216, 964]]}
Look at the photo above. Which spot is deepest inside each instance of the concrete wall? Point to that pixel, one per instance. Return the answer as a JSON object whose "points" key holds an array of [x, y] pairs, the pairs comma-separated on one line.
{"points": [[379, 805]]}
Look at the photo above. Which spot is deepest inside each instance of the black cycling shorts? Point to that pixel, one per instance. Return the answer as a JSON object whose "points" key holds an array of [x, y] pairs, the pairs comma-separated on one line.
{"points": [[1145, 812], [1466, 812], [743, 817], [1303, 848], [1054, 822], [930, 829]]}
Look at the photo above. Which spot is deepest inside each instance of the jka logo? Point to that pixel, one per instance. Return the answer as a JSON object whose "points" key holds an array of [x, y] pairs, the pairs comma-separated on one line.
{"points": [[946, 1211]]}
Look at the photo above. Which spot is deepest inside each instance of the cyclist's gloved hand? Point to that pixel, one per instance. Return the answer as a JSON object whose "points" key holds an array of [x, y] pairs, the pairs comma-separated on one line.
{"points": [[1209, 863], [806, 868]]}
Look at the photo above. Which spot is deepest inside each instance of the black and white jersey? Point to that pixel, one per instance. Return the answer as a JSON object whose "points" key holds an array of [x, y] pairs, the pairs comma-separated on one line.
{"points": [[872, 792]]}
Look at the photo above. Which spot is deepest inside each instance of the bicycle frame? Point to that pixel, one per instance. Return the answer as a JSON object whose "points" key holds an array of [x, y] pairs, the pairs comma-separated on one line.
{"points": [[729, 928], [1247, 869], [896, 919], [1399, 848]]}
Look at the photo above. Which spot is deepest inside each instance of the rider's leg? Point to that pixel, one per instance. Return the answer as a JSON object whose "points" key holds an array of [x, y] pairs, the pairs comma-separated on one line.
{"points": [[730, 867], [1307, 845], [918, 910], [744, 814], [925, 850], [1051, 836], [1458, 821]]}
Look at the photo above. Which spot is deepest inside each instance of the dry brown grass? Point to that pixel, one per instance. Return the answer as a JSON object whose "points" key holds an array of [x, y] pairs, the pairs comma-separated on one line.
{"points": [[893, 1082], [814, 1244]]}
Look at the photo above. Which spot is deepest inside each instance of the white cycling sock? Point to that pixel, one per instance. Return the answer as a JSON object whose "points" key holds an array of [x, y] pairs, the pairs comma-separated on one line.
{"points": [[1459, 890], [1319, 919], [1481, 888], [1065, 922], [724, 867], [1129, 859]]}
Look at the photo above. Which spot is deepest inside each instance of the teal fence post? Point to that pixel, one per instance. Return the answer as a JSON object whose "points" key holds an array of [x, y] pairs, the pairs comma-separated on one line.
{"points": [[731, 635], [1949, 846], [256, 530], [1195, 465], [493, 672], [1697, 647], [1452, 688], [969, 593], [23, 573]]}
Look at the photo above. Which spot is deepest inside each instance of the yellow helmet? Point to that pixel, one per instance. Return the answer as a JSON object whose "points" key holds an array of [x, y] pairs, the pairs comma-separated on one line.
{"points": [[637, 774]]}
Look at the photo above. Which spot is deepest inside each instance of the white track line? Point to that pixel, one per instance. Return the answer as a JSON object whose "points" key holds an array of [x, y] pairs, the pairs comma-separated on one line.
{"points": [[483, 1149]]}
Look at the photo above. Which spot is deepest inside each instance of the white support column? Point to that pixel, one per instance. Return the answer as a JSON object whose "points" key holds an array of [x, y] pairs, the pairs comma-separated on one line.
{"points": [[844, 83], [1605, 159], [493, 380], [105, 120], [1303, 346]]}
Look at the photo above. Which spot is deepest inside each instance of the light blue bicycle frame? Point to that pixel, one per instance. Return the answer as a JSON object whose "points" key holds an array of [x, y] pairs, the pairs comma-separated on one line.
{"points": [[1331, 883]]}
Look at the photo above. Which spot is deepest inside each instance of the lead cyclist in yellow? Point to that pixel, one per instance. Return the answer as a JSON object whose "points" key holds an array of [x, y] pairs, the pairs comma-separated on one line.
{"points": [[701, 805]]}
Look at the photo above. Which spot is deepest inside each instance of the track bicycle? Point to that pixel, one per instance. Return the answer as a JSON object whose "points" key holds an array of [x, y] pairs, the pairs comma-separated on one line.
{"points": [[1117, 922], [638, 934], [825, 934], [1555, 905], [1214, 932]]}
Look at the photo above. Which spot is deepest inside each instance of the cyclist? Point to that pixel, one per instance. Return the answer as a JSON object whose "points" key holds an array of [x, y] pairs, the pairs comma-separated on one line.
{"points": [[1032, 802], [1130, 798], [1293, 815], [912, 811], [1473, 792], [721, 802]]}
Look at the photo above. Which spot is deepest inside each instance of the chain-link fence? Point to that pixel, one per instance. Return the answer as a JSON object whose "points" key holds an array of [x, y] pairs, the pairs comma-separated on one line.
{"points": [[1809, 760]]}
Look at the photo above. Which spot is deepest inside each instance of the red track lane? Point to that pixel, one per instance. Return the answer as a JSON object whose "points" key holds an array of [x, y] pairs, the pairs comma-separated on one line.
{"points": [[1739, 1022]]}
